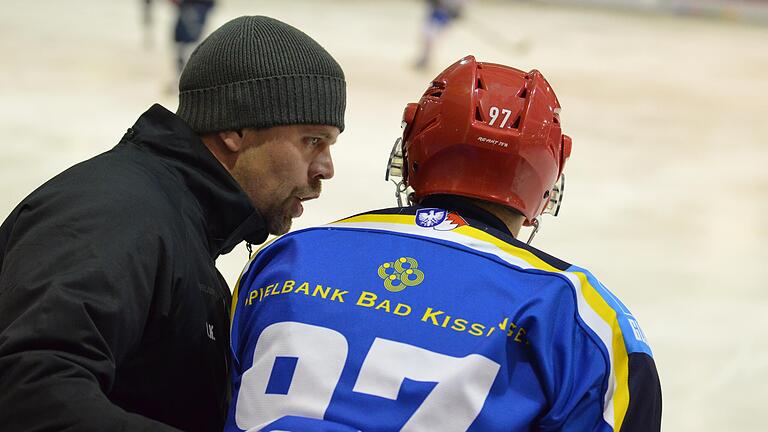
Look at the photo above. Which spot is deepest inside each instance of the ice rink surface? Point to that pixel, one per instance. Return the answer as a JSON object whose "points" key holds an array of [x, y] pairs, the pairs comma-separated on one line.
{"points": [[667, 190]]}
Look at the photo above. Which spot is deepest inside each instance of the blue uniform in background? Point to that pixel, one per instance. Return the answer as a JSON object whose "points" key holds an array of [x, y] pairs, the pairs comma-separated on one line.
{"points": [[190, 23], [418, 319], [191, 20]]}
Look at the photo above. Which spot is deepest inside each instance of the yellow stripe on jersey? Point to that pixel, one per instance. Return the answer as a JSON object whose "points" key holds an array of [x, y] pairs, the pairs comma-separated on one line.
{"points": [[609, 331], [381, 218], [620, 360]]}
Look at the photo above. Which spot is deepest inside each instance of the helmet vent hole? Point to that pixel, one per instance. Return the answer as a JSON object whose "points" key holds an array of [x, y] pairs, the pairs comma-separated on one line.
{"points": [[480, 85], [523, 93], [556, 120], [546, 194], [478, 114], [415, 167], [516, 124], [435, 90]]}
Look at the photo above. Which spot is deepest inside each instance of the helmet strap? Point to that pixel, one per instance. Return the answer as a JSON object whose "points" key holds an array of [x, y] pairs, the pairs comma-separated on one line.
{"points": [[536, 225], [401, 193]]}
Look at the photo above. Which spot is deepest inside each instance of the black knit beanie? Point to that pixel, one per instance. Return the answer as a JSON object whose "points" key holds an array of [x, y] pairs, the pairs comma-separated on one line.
{"points": [[256, 71]]}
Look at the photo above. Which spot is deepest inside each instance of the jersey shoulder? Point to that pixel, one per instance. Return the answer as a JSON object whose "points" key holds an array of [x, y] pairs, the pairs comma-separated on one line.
{"points": [[598, 306]]}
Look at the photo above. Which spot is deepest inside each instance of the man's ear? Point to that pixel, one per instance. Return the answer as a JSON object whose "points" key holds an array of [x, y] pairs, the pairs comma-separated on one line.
{"points": [[233, 140]]}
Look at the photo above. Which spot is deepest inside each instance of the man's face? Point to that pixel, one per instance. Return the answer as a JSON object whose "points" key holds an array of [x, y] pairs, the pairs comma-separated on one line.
{"points": [[282, 166]]}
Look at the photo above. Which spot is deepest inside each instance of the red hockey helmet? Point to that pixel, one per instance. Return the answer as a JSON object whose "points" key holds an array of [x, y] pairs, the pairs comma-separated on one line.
{"points": [[486, 131]]}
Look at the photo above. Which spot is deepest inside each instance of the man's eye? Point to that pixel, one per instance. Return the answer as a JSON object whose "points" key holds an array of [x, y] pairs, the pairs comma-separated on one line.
{"points": [[313, 141]]}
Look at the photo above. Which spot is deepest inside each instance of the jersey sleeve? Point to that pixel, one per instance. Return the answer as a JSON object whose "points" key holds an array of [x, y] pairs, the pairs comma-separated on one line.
{"points": [[626, 384]]}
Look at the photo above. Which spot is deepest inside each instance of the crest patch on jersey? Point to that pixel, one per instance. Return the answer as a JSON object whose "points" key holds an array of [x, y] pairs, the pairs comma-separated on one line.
{"points": [[429, 217], [438, 219]]}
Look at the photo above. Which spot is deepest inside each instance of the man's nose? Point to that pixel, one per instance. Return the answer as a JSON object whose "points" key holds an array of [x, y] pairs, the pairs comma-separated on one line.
{"points": [[323, 166]]}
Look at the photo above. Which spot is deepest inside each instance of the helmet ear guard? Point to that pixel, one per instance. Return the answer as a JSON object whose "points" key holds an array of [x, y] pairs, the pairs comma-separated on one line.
{"points": [[555, 197], [558, 189]]}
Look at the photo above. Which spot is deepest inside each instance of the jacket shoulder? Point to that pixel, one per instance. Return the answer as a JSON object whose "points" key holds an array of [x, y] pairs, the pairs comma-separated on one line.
{"points": [[123, 186]]}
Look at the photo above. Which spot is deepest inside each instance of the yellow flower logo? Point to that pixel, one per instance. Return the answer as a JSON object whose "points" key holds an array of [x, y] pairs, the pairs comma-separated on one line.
{"points": [[401, 273]]}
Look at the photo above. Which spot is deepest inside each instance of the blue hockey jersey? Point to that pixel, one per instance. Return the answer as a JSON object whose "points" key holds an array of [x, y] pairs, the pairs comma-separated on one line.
{"points": [[418, 319]]}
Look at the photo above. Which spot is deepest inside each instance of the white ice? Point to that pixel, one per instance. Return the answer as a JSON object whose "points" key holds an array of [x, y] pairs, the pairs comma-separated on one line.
{"points": [[667, 190]]}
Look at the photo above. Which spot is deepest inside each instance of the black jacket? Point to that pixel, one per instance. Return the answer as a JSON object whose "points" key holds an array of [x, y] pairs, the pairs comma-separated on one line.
{"points": [[113, 316]]}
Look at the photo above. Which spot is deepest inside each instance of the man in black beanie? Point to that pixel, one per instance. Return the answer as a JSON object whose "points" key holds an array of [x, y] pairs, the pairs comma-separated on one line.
{"points": [[113, 316]]}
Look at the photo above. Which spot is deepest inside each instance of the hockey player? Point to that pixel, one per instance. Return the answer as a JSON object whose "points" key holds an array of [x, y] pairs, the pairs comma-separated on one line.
{"points": [[190, 23], [440, 15], [435, 317]]}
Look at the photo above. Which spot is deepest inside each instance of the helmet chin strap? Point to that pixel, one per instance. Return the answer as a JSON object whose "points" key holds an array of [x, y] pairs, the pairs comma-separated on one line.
{"points": [[536, 225], [400, 192]]}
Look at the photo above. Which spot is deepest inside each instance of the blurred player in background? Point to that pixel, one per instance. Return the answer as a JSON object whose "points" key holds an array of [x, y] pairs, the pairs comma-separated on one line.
{"points": [[113, 316], [147, 18], [434, 317], [190, 24], [440, 14]]}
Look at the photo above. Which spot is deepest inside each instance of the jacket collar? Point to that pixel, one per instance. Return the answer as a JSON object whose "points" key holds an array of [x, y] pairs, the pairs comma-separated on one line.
{"points": [[229, 215]]}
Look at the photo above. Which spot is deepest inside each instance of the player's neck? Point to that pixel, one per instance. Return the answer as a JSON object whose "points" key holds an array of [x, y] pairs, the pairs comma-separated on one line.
{"points": [[511, 219]]}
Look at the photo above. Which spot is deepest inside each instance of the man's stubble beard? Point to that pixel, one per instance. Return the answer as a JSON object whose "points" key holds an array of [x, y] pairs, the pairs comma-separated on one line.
{"points": [[278, 218]]}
